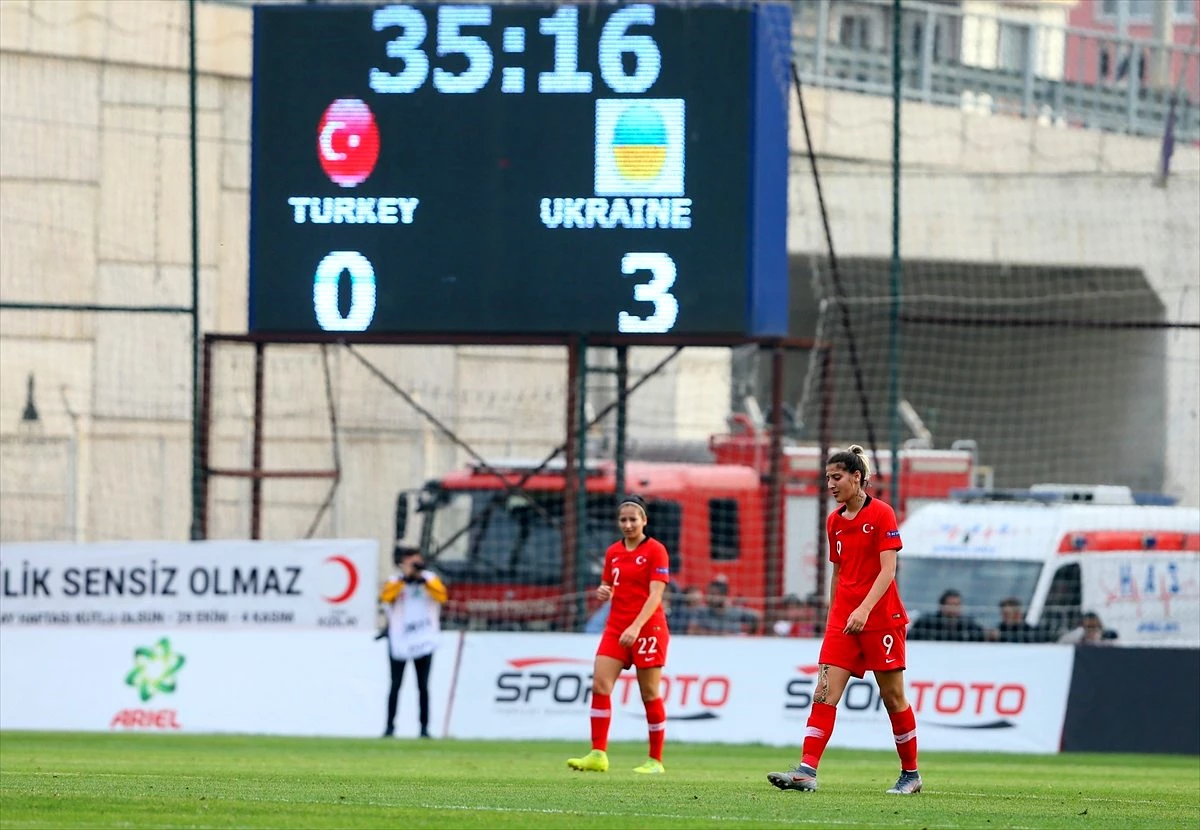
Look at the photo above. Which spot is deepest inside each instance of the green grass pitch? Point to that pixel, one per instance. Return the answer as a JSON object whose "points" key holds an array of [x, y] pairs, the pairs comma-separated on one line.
{"points": [[128, 780]]}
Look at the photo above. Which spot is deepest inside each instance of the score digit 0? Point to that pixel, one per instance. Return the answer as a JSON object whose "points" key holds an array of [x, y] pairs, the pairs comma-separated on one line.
{"points": [[362, 292]]}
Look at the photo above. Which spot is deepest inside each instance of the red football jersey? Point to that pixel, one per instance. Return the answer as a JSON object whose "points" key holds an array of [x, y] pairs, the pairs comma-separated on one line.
{"points": [[630, 573], [855, 545]]}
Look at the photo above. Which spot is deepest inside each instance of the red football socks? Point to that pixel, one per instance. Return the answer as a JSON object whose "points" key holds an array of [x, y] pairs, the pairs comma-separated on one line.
{"points": [[816, 734], [656, 719], [601, 718], [904, 728]]}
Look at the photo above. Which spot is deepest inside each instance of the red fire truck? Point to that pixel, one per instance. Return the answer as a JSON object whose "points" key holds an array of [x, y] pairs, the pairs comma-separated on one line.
{"points": [[502, 548]]}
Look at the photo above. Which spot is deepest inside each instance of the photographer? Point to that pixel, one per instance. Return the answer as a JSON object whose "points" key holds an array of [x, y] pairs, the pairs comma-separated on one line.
{"points": [[412, 600]]}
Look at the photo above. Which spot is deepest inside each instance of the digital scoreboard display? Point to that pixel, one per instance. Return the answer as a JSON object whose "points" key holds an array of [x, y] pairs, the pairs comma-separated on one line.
{"points": [[520, 169]]}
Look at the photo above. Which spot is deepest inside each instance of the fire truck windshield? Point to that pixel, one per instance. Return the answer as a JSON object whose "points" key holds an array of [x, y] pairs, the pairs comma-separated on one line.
{"points": [[491, 536], [922, 579]]}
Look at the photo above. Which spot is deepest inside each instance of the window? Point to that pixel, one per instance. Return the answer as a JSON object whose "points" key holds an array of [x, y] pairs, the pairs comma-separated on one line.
{"points": [[723, 529], [916, 38], [855, 32], [491, 536], [982, 583], [1013, 47], [1144, 9], [1062, 612], [665, 520]]}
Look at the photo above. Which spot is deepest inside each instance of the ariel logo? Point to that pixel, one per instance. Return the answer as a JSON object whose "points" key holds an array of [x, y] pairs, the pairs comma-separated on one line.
{"points": [[154, 669]]}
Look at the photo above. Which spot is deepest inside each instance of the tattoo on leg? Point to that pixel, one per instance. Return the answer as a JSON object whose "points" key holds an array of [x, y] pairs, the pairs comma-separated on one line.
{"points": [[821, 694]]}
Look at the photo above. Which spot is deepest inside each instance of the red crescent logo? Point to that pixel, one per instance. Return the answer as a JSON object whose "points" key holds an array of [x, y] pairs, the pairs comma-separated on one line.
{"points": [[351, 579]]}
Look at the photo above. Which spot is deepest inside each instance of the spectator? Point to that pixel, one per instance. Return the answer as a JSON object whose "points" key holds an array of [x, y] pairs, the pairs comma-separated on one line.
{"points": [[1013, 628], [800, 618], [948, 623], [412, 600], [684, 614], [721, 616], [1091, 632]]}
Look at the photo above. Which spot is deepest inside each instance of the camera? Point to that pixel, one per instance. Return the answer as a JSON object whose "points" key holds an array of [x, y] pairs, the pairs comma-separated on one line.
{"points": [[415, 576]]}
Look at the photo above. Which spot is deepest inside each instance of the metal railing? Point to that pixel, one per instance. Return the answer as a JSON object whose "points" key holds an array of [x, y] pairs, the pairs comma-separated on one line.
{"points": [[985, 63]]}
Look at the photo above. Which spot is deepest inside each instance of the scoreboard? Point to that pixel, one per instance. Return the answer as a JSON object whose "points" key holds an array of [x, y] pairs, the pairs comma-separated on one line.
{"points": [[520, 169]]}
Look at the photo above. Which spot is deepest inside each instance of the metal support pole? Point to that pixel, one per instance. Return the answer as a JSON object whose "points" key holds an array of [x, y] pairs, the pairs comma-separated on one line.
{"points": [[200, 519], [927, 37], [570, 482], [197, 529], [580, 474], [896, 275], [1164, 29], [822, 38], [622, 416], [256, 450], [1131, 91], [776, 550], [1030, 71], [1131, 58], [824, 442]]}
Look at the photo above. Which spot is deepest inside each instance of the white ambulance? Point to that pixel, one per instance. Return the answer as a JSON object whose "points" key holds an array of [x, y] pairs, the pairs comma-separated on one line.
{"points": [[1061, 551]]}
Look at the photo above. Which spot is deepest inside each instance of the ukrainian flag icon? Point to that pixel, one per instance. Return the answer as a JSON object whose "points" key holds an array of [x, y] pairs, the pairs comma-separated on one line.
{"points": [[639, 147], [639, 143]]}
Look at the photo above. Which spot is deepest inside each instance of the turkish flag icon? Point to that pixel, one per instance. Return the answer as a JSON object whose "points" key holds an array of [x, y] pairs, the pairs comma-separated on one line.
{"points": [[348, 141]]}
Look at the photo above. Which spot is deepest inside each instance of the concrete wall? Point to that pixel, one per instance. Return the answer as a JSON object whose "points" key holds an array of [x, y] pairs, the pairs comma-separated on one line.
{"points": [[94, 205]]}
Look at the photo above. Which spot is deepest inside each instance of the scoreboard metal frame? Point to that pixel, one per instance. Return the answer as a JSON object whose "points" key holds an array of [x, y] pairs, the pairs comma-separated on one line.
{"points": [[520, 171]]}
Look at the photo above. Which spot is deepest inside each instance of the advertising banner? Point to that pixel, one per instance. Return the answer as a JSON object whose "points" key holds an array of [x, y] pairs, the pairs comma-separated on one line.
{"points": [[989, 697], [190, 585], [317, 682], [982, 697]]}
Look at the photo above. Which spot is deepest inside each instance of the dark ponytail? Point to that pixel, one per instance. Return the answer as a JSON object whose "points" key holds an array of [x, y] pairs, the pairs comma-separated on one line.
{"points": [[854, 459]]}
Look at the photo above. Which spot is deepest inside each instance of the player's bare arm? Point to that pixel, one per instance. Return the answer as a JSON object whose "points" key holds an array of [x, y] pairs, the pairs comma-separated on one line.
{"points": [[604, 592]]}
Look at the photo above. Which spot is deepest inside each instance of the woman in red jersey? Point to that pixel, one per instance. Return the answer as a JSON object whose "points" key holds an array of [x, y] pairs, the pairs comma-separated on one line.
{"points": [[866, 626], [636, 572]]}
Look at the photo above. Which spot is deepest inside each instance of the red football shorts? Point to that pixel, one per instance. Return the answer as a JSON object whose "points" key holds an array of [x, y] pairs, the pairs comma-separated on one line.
{"points": [[879, 650], [649, 650]]}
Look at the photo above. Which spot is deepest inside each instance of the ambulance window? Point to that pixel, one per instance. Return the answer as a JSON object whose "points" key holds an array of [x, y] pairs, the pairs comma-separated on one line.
{"points": [[723, 529], [1063, 601]]}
